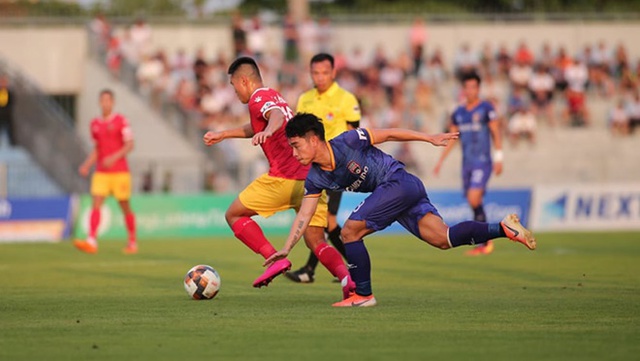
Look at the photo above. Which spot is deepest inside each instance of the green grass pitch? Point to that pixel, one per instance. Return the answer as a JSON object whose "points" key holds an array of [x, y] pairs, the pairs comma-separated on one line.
{"points": [[575, 298]]}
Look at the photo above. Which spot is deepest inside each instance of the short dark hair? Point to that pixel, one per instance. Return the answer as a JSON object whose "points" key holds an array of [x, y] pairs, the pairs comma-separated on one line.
{"points": [[107, 91], [320, 57], [303, 123], [242, 61], [470, 76]]}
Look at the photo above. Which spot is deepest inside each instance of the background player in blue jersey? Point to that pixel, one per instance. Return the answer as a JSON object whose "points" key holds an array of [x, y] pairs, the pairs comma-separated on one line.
{"points": [[351, 162], [477, 123]]}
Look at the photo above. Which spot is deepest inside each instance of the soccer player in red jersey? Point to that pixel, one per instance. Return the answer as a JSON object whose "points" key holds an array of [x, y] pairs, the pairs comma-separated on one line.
{"points": [[113, 140], [282, 187]]}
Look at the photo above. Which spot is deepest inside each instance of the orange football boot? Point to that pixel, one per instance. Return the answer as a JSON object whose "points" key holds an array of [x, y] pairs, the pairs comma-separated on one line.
{"points": [[85, 247]]}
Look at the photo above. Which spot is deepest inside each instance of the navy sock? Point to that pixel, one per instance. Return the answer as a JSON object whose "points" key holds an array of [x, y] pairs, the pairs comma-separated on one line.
{"points": [[312, 263], [336, 240], [472, 232], [478, 214], [359, 266]]}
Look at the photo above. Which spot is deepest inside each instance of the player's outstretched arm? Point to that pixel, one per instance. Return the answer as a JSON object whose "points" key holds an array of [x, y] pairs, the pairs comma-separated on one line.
{"points": [[300, 224], [405, 135], [211, 137]]}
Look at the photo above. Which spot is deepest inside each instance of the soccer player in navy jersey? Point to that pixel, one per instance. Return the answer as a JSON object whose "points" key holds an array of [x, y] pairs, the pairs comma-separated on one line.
{"points": [[477, 123], [351, 162]]}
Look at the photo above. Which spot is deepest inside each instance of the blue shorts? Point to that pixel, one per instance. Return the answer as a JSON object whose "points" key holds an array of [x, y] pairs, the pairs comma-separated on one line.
{"points": [[402, 198], [476, 176]]}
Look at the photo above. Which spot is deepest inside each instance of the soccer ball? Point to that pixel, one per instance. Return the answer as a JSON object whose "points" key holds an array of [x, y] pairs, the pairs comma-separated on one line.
{"points": [[202, 282]]}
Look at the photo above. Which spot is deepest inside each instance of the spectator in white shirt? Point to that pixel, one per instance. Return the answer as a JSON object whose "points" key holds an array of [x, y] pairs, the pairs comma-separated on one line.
{"points": [[541, 86]]}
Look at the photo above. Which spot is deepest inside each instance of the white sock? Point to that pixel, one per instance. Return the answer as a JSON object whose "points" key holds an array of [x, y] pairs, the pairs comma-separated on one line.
{"points": [[92, 241]]}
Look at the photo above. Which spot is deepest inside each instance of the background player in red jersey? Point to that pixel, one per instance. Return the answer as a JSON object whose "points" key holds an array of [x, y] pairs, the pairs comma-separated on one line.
{"points": [[113, 140], [282, 187]]}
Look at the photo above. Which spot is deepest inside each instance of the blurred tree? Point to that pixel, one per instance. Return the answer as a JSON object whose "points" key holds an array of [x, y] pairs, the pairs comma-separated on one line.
{"points": [[145, 8], [199, 6], [252, 6], [40, 8]]}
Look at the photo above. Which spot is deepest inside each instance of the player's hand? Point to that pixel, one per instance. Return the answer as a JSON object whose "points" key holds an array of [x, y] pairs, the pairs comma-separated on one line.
{"points": [[109, 162], [497, 168], [211, 138], [283, 253], [260, 138], [443, 139], [84, 170]]}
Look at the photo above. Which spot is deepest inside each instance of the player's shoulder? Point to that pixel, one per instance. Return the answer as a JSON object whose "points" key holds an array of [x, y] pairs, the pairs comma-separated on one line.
{"points": [[266, 92], [353, 136], [486, 104], [119, 117], [120, 120], [459, 107], [344, 93]]}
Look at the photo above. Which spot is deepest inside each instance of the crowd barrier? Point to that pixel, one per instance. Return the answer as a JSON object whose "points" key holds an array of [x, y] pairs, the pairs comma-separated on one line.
{"points": [[160, 216], [586, 208], [35, 219]]}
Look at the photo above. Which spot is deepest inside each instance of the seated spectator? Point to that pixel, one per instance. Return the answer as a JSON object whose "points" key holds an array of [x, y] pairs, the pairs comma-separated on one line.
{"points": [[503, 60], [561, 63], [516, 101], [149, 71], [628, 80], [523, 55], [602, 62], [577, 75], [576, 113], [522, 124], [633, 112], [466, 61], [541, 87], [519, 74], [546, 58], [619, 120]]}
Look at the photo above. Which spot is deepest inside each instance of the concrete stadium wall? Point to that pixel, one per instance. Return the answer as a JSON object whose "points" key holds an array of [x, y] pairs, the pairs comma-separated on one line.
{"points": [[55, 56], [449, 37]]}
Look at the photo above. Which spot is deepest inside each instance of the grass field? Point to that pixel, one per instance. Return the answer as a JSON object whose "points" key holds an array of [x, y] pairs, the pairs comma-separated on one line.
{"points": [[576, 298]]}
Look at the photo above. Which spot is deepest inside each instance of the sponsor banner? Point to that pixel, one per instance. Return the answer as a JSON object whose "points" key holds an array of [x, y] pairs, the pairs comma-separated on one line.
{"points": [[35, 219], [173, 216], [586, 207], [453, 206]]}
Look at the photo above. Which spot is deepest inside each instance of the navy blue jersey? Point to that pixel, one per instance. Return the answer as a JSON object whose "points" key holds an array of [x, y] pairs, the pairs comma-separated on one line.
{"points": [[358, 166], [475, 136]]}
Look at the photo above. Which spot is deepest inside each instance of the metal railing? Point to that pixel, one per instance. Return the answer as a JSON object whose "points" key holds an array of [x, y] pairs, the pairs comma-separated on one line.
{"points": [[46, 132]]}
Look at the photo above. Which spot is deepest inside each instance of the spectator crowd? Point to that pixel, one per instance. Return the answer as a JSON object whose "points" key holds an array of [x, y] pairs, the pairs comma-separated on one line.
{"points": [[530, 88]]}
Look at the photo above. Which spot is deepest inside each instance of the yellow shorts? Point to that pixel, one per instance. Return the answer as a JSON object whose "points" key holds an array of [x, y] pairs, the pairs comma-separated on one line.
{"points": [[116, 184], [267, 195]]}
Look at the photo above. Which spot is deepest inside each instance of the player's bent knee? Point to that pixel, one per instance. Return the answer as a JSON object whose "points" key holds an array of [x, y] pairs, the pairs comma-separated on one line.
{"points": [[438, 242], [443, 245], [348, 235]]}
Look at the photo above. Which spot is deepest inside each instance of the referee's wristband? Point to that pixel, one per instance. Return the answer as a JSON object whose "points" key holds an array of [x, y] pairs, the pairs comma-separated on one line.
{"points": [[498, 156]]}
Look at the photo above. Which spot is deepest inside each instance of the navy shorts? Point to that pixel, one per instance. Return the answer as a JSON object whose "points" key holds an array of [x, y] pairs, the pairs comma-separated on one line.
{"points": [[402, 198], [476, 176]]}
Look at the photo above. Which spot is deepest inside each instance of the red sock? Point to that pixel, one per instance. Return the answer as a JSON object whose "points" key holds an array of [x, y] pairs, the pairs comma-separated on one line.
{"points": [[94, 222], [250, 233], [130, 222], [331, 259]]}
